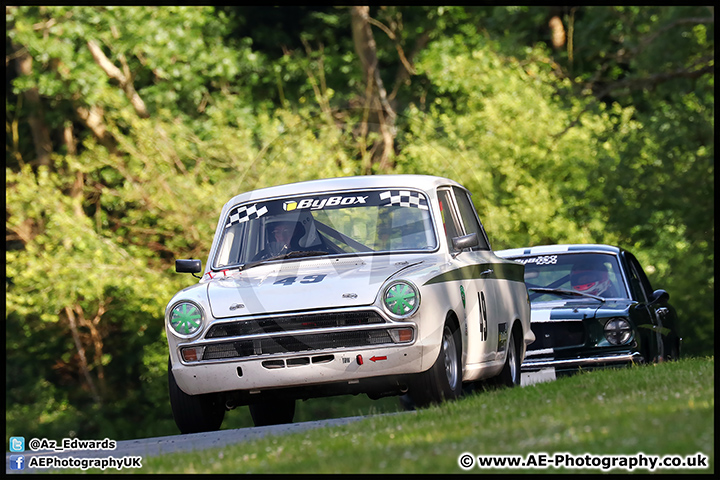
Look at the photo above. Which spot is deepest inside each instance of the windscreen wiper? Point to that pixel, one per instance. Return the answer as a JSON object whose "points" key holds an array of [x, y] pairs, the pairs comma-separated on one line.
{"points": [[563, 291]]}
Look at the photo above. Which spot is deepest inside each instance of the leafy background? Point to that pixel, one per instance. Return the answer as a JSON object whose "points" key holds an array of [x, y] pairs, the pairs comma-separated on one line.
{"points": [[127, 128]]}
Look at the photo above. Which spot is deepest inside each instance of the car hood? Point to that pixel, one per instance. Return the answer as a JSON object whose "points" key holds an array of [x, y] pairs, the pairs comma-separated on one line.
{"points": [[575, 309], [304, 285]]}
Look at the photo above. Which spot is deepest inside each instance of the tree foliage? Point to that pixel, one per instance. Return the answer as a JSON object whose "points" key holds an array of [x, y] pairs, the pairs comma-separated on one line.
{"points": [[127, 128]]}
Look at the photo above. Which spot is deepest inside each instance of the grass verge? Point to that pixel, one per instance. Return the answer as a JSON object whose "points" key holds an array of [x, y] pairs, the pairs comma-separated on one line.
{"points": [[665, 409]]}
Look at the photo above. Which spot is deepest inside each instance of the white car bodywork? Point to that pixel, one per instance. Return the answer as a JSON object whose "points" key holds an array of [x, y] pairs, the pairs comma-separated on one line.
{"points": [[322, 320]]}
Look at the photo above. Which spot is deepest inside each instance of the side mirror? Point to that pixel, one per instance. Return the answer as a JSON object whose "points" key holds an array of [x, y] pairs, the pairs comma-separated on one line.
{"points": [[659, 296], [188, 266], [466, 241]]}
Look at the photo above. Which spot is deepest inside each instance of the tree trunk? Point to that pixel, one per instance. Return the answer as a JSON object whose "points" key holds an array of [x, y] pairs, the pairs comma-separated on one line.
{"points": [[40, 131], [81, 352], [403, 73], [384, 114], [123, 78]]}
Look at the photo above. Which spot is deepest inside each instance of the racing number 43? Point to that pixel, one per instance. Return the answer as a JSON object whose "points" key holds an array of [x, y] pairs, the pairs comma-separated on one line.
{"points": [[306, 279]]}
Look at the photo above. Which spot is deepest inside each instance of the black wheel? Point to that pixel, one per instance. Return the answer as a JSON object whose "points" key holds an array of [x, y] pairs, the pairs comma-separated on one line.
{"points": [[273, 412], [443, 381], [672, 351], [510, 374], [194, 413], [406, 402]]}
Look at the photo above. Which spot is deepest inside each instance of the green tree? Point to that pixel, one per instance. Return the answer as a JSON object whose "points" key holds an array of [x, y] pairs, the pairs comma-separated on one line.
{"points": [[121, 142]]}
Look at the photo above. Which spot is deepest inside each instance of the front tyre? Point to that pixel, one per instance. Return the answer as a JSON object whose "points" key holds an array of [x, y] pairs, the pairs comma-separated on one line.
{"points": [[672, 353], [194, 413], [443, 381], [510, 374]]}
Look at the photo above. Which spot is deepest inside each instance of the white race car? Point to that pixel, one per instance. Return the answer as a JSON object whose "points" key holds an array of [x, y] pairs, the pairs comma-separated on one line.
{"points": [[383, 285]]}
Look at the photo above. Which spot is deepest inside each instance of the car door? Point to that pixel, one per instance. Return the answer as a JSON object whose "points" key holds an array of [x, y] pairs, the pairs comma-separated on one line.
{"points": [[477, 286], [652, 314]]}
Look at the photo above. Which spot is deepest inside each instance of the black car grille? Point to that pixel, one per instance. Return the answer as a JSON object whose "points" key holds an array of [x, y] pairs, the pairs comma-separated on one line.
{"points": [[292, 335], [295, 322], [557, 334], [295, 343]]}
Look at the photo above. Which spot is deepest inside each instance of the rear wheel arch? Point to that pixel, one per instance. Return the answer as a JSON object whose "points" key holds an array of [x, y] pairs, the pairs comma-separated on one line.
{"points": [[510, 374], [519, 336]]}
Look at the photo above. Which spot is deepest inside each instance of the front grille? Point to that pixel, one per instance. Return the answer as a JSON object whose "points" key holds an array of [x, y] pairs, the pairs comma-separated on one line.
{"points": [[557, 335], [296, 343], [294, 322]]}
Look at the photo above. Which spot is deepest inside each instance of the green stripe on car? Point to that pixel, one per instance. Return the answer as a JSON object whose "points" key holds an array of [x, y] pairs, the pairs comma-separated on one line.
{"points": [[499, 271]]}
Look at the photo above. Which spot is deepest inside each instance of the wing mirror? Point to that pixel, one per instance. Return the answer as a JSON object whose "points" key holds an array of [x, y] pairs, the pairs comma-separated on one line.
{"points": [[465, 241], [659, 296], [188, 266]]}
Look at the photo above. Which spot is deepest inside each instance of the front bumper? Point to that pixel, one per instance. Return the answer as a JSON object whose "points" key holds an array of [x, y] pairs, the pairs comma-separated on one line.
{"points": [[531, 365], [333, 347], [299, 370]]}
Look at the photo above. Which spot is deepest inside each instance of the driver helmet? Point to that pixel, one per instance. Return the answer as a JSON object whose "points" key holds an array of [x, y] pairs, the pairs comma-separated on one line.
{"points": [[285, 230], [590, 276]]}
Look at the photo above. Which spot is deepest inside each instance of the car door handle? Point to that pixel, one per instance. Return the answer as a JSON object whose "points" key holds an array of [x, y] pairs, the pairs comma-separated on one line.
{"points": [[486, 272]]}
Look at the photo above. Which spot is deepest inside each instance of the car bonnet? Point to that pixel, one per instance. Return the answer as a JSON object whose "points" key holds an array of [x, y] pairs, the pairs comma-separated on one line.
{"points": [[564, 310], [296, 286]]}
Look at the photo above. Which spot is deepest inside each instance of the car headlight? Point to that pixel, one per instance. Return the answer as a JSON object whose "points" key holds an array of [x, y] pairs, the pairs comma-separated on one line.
{"points": [[185, 319], [618, 331], [401, 298]]}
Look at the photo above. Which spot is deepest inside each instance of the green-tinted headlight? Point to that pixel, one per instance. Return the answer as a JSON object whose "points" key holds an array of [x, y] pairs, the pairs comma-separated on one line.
{"points": [[186, 318], [401, 298]]}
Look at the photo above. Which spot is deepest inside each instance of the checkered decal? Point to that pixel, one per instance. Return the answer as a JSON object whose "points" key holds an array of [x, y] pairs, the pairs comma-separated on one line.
{"points": [[243, 214], [405, 198]]}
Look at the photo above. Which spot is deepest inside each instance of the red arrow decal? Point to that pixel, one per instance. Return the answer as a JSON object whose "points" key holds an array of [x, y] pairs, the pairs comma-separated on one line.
{"points": [[375, 359]]}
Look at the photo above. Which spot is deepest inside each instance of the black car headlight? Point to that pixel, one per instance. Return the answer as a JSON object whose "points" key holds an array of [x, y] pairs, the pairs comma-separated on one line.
{"points": [[401, 298], [186, 319], [618, 331]]}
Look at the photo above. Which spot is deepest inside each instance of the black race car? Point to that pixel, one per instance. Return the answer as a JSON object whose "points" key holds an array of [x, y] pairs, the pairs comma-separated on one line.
{"points": [[593, 306]]}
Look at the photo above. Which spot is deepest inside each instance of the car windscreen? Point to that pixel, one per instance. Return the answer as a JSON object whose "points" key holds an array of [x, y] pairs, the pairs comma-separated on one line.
{"points": [[354, 222], [576, 273]]}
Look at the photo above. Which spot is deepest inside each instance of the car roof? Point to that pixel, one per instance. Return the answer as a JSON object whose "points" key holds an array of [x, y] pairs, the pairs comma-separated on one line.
{"points": [[422, 182], [558, 249]]}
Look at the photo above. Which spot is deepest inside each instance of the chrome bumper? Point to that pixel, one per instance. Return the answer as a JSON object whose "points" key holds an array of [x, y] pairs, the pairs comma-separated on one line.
{"points": [[530, 365]]}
